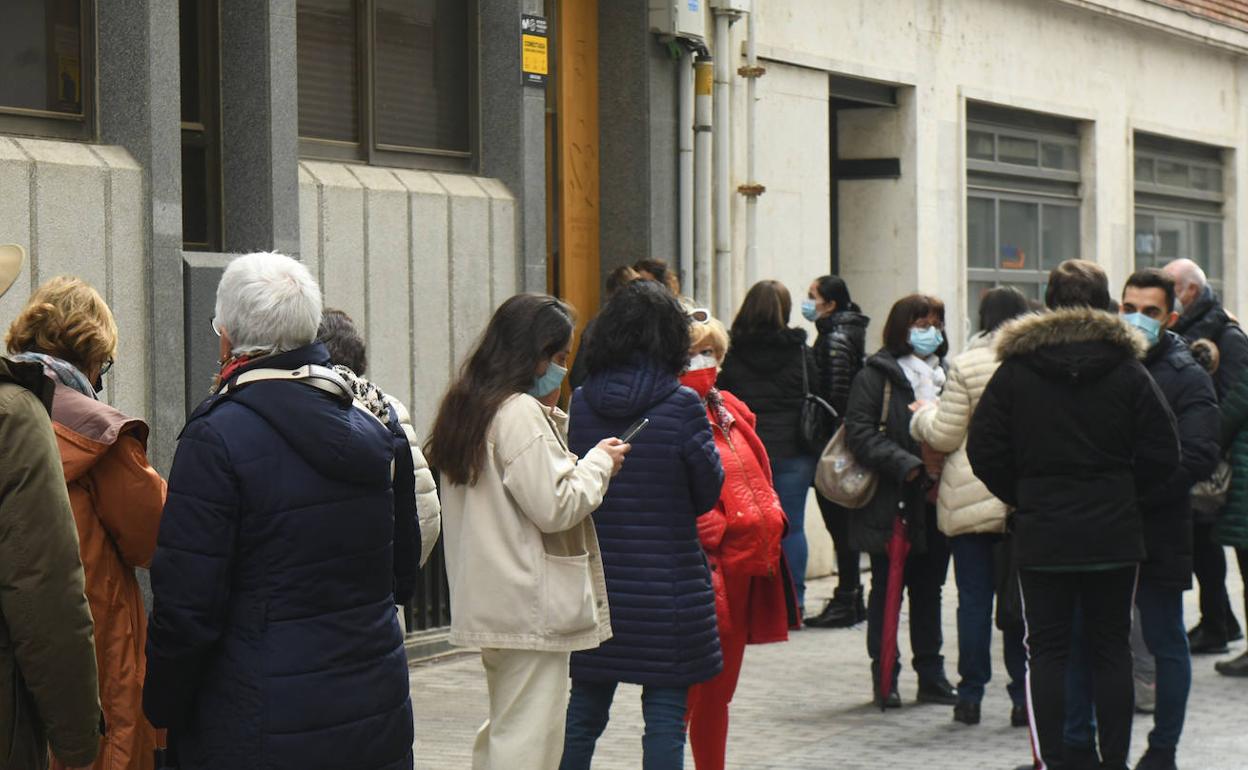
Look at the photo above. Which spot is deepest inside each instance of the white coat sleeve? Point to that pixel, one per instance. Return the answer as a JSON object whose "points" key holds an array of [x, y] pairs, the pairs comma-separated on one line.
{"points": [[553, 489], [943, 425], [428, 506]]}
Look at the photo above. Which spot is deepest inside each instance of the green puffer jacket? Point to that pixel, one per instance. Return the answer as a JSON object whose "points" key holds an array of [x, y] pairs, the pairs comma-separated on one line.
{"points": [[1231, 527], [48, 686]]}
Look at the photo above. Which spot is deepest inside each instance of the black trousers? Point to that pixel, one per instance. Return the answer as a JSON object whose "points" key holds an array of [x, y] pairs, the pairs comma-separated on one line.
{"points": [[1049, 601], [848, 561], [925, 575], [1209, 566]]}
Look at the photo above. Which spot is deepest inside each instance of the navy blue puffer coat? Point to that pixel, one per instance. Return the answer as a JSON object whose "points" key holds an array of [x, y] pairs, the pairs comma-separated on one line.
{"points": [[274, 641], [658, 584]]}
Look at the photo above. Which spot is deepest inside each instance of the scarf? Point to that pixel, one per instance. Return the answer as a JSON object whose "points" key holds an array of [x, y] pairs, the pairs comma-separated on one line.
{"points": [[62, 371], [366, 393], [715, 406], [926, 376]]}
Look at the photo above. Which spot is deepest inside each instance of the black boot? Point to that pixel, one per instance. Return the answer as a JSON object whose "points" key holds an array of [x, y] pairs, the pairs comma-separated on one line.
{"points": [[844, 610], [937, 691], [966, 712], [1237, 667], [1204, 640], [1157, 759], [1019, 717]]}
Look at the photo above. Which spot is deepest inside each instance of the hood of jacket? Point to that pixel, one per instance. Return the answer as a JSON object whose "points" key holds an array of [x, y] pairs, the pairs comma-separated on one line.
{"points": [[1205, 319], [887, 363], [29, 376], [768, 351], [338, 439], [843, 321], [86, 429], [629, 390], [1071, 344]]}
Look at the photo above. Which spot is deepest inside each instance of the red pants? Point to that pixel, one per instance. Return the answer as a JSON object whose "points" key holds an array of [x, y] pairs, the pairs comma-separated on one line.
{"points": [[708, 701]]}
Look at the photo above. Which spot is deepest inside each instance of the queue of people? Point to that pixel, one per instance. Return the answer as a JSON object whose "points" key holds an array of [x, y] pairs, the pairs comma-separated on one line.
{"points": [[1067, 462]]}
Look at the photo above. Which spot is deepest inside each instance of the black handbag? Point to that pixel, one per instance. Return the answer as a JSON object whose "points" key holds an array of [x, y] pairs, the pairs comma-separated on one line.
{"points": [[816, 422], [1009, 595]]}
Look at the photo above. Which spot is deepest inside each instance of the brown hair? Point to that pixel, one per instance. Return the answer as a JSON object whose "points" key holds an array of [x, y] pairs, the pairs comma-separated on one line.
{"points": [[766, 308], [903, 314], [661, 272], [68, 319], [1078, 283]]}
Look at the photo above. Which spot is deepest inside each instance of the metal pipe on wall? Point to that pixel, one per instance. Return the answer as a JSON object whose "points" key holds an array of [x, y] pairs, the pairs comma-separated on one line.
{"points": [[703, 245], [724, 298], [686, 171], [751, 189]]}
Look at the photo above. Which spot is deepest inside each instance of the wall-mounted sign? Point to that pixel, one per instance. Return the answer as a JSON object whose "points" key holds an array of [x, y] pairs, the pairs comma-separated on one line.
{"points": [[534, 50]]}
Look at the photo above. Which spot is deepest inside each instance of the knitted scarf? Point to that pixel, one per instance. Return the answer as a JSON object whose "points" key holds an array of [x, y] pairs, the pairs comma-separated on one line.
{"points": [[62, 371]]}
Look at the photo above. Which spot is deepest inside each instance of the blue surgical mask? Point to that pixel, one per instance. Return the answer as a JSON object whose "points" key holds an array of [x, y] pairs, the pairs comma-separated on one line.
{"points": [[925, 341], [1150, 326], [549, 381], [808, 310]]}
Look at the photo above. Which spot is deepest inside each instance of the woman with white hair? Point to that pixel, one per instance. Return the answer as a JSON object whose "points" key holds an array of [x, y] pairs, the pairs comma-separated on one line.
{"points": [[274, 641]]}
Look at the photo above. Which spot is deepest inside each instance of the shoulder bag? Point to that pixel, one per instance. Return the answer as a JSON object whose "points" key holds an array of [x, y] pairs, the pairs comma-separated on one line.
{"points": [[816, 418], [839, 476]]}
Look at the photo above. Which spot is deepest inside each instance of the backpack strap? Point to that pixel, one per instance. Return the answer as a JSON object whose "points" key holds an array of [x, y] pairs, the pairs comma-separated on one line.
{"points": [[313, 375]]}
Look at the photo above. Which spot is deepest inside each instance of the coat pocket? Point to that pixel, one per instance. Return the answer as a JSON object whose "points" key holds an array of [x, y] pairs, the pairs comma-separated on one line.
{"points": [[568, 605]]}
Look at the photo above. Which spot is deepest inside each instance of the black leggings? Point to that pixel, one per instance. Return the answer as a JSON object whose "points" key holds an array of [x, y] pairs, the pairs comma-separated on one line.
{"points": [[1049, 601], [848, 570]]}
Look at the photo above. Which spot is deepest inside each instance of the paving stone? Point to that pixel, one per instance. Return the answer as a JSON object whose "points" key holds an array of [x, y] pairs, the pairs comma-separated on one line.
{"points": [[805, 705]]}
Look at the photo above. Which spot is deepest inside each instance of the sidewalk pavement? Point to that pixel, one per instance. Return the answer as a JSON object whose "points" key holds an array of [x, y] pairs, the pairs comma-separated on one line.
{"points": [[805, 705]]}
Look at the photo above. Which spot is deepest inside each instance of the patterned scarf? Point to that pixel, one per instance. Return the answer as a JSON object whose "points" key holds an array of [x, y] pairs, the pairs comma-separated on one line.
{"points": [[366, 393], [723, 418], [63, 371]]}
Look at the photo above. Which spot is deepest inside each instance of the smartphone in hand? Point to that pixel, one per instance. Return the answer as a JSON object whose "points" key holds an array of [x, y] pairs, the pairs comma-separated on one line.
{"points": [[634, 429]]}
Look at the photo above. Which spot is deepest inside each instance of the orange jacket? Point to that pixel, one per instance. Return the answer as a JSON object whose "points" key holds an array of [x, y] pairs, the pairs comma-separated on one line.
{"points": [[117, 499]]}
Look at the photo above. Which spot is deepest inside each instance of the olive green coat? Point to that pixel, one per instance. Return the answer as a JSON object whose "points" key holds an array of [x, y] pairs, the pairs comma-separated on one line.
{"points": [[48, 687]]}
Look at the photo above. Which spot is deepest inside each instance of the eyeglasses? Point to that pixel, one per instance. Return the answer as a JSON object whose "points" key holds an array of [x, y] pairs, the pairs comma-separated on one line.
{"points": [[700, 315], [107, 367], [215, 329]]}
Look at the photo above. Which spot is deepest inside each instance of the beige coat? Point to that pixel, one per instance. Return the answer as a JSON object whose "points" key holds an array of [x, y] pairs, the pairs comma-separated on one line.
{"points": [[428, 507], [964, 505], [522, 555]]}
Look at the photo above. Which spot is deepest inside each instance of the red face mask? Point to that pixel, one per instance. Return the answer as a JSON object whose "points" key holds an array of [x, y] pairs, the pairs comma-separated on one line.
{"points": [[700, 380]]}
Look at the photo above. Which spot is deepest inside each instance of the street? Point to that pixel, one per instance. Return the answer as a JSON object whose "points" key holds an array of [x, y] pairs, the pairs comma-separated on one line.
{"points": [[804, 705]]}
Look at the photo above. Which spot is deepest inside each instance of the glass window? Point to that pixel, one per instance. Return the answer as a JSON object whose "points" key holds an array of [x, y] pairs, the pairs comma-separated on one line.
{"points": [[1060, 235], [201, 155], [1171, 173], [386, 81], [1143, 169], [1061, 156], [1020, 235], [45, 73], [979, 145], [981, 235], [1012, 149]]}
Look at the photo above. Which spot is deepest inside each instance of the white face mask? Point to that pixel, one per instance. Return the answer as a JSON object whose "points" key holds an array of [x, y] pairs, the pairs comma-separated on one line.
{"points": [[702, 361]]}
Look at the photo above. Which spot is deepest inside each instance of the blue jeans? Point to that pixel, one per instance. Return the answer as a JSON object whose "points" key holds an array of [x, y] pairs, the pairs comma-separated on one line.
{"points": [[1161, 621], [974, 565], [662, 709], [791, 477]]}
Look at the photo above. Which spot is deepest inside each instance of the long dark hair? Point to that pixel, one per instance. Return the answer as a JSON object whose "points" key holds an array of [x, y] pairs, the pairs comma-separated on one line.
{"points": [[642, 322], [525, 330], [999, 305], [832, 288], [766, 308]]}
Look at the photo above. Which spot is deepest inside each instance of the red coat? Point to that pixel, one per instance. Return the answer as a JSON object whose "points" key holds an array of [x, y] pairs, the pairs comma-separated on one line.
{"points": [[742, 533]]}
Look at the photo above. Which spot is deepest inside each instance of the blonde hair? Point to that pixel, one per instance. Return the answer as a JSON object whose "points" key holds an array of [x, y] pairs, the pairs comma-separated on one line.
{"points": [[68, 319], [711, 333]]}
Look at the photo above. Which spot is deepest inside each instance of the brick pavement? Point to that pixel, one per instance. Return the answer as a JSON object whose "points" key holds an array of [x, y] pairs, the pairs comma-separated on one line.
{"points": [[805, 705]]}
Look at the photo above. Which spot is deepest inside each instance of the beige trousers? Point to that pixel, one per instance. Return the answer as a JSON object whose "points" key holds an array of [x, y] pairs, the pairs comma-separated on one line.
{"points": [[528, 710]]}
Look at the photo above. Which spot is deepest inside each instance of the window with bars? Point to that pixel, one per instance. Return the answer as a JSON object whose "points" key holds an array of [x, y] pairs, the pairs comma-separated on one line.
{"points": [[46, 73], [1179, 196], [389, 82], [1023, 200]]}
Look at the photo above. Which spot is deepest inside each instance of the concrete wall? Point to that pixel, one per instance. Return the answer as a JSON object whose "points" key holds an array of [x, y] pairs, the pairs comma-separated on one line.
{"points": [[78, 210], [419, 260]]}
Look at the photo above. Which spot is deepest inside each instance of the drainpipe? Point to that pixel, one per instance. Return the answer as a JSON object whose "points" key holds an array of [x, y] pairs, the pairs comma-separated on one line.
{"points": [[686, 171], [703, 246], [723, 156], [751, 189]]}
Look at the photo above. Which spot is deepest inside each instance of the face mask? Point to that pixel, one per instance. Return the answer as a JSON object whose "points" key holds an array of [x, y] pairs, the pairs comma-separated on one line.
{"points": [[702, 361], [549, 381], [925, 341], [700, 380], [1150, 327], [808, 310]]}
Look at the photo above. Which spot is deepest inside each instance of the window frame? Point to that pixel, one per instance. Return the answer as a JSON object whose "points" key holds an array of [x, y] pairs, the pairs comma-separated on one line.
{"points": [[368, 150], [206, 133], [47, 124]]}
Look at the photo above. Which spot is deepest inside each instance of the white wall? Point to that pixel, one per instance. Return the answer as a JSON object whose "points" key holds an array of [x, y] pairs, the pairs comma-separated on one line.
{"points": [[78, 210], [419, 260]]}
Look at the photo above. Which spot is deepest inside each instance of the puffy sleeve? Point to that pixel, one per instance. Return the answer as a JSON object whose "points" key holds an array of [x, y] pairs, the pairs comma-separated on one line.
{"points": [[943, 425], [701, 458], [428, 505], [191, 572]]}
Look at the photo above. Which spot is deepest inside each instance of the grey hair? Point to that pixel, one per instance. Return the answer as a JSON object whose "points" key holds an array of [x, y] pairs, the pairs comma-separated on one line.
{"points": [[1186, 273], [268, 303]]}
